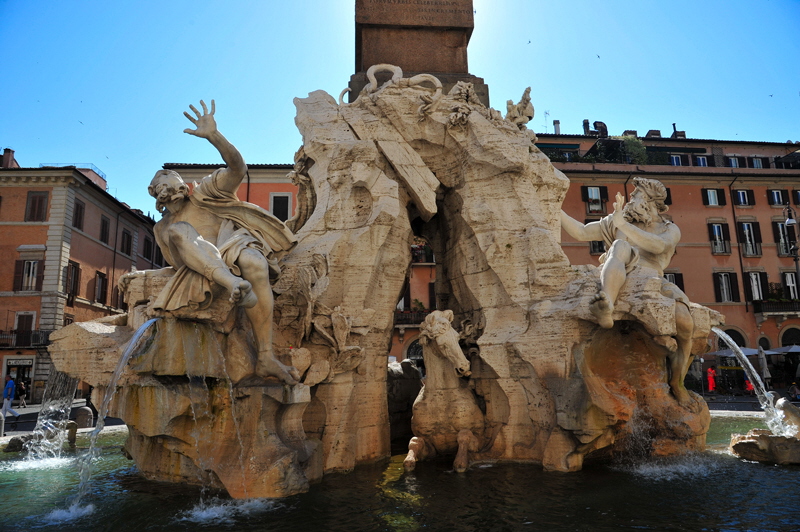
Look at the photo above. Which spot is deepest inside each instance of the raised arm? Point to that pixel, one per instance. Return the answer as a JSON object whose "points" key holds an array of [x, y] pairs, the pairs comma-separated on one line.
{"points": [[579, 231], [206, 127], [652, 243]]}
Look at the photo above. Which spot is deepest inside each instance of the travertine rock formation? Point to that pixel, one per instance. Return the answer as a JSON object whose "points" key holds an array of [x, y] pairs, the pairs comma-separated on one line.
{"points": [[547, 383]]}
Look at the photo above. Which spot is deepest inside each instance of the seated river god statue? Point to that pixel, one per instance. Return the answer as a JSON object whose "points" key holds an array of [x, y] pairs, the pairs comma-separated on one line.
{"points": [[210, 236], [640, 241]]}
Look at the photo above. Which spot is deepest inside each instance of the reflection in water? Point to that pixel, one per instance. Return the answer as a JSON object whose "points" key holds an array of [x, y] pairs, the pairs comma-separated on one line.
{"points": [[705, 491]]}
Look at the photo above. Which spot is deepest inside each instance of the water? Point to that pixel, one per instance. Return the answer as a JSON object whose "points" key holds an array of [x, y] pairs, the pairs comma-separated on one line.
{"points": [[774, 419], [707, 491], [85, 461], [50, 433]]}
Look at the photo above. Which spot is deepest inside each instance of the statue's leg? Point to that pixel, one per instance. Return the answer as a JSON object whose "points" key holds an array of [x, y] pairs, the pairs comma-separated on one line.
{"points": [[680, 359], [255, 269], [612, 277], [203, 257], [417, 450], [466, 442]]}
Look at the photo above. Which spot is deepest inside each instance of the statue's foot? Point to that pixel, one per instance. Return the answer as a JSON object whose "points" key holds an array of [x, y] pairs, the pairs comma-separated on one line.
{"points": [[682, 396], [269, 366], [242, 294], [603, 309], [415, 448]]}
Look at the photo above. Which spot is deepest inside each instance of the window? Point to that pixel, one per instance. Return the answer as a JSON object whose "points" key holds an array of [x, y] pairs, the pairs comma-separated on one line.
{"points": [[756, 286], [105, 223], [28, 275], [675, 160], [101, 288], [595, 198], [701, 160], [744, 197], [159, 258], [757, 163], [778, 197], [68, 319], [127, 241], [280, 205], [713, 196], [77, 215], [36, 209], [750, 238], [763, 343], [72, 282], [597, 247], [790, 285], [784, 236], [726, 287], [720, 237], [796, 196], [675, 278], [147, 252], [733, 162]]}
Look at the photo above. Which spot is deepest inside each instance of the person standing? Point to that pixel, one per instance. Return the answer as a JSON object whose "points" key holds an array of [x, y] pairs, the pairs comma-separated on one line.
{"points": [[23, 393], [8, 396], [711, 373]]}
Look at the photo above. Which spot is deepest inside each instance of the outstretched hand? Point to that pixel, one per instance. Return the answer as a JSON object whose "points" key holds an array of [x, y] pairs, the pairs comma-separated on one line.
{"points": [[617, 216], [205, 123]]}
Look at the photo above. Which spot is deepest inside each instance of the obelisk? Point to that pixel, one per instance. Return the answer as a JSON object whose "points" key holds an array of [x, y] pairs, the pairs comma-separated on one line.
{"points": [[419, 36]]}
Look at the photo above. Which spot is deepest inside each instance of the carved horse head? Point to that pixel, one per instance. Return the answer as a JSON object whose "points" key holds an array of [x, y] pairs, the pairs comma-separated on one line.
{"points": [[436, 334]]}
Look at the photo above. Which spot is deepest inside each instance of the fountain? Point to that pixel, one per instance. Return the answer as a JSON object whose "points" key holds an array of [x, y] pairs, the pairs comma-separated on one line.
{"points": [[267, 367], [779, 443]]}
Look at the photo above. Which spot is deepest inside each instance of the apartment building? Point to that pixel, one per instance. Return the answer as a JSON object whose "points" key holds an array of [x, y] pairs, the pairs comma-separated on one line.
{"points": [[66, 242]]}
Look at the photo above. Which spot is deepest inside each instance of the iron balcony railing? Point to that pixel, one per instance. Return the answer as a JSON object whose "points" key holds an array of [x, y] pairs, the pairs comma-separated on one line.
{"points": [[16, 339], [408, 317], [721, 246], [777, 307]]}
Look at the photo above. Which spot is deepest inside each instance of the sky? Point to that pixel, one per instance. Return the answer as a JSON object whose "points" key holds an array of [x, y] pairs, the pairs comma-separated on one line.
{"points": [[107, 82]]}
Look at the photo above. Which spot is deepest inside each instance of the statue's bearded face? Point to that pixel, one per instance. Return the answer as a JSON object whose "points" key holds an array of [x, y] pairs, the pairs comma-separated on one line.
{"points": [[166, 189], [639, 209]]}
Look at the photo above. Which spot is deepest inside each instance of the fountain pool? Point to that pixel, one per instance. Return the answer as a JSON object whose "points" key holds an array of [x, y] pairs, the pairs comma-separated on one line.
{"points": [[708, 491]]}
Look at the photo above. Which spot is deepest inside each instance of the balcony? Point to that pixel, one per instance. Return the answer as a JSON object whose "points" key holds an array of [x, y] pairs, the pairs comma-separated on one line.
{"points": [[751, 249], [410, 317], [422, 255], [720, 247], [18, 339], [780, 310]]}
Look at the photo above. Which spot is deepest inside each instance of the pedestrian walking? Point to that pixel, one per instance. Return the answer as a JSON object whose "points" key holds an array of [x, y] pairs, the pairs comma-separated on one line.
{"points": [[8, 396]]}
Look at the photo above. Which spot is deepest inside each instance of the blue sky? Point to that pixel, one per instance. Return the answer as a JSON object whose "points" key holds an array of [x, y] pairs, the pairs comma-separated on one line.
{"points": [[106, 82]]}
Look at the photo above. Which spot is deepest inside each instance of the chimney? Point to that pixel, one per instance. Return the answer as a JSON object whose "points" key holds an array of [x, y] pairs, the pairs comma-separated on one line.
{"points": [[677, 134], [586, 126], [601, 129], [8, 159], [557, 126], [653, 134], [630, 133]]}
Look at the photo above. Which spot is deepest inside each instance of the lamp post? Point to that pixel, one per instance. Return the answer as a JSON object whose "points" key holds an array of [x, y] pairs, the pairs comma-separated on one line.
{"points": [[791, 221]]}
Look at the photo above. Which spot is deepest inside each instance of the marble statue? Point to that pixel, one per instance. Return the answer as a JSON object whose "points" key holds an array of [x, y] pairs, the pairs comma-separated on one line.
{"points": [[520, 113], [210, 236], [640, 242], [446, 416]]}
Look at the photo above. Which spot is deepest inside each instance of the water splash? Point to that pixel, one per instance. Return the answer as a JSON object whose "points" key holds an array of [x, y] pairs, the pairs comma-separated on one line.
{"points": [[49, 435], [84, 462], [773, 417], [225, 512], [683, 467]]}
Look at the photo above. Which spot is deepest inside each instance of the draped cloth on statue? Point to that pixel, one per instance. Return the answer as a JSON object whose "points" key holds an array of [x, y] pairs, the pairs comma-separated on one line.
{"points": [[245, 226]]}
